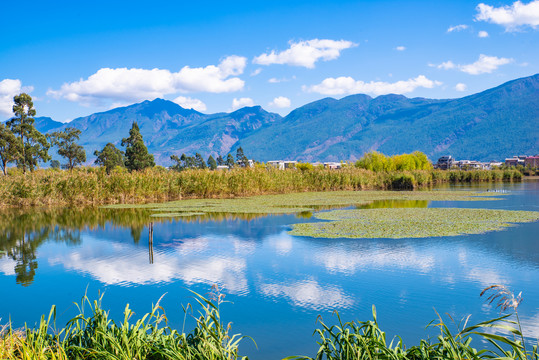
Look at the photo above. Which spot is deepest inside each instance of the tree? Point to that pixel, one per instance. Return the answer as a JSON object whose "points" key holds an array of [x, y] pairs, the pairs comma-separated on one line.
{"points": [[212, 164], [110, 157], [220, 160], [199, 162], [68, 148], [178, 163], [55, 164], [184, 162], [136, 153], [10, 149], [230, 161], [241, 159], [34, 145]]}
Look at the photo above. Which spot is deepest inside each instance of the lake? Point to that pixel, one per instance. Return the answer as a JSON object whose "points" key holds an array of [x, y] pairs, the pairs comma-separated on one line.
{"points": [[276, 284]]}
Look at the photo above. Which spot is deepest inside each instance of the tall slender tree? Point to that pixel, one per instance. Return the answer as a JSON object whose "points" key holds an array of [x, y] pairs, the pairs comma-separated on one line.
{"points": [[10, 148], [34, 145], [68, 148], [241, 159], [212, 164], [199, 162], [136, 153], [220, 160], [230, 161]]}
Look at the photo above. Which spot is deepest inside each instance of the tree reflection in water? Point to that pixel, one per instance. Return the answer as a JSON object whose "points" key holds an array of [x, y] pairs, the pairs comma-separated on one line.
{"points": [[22, 232]]}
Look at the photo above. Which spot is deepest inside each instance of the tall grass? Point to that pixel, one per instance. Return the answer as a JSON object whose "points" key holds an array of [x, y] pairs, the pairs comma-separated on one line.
{"points": [[364, 340], [93, 186], [93, 335]]}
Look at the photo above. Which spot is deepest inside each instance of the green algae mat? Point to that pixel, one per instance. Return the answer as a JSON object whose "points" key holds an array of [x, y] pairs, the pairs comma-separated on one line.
{"points": [[410, 222], [300, 202]]}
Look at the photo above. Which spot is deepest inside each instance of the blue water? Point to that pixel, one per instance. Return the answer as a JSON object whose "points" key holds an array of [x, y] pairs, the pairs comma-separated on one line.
{"points": [[276, 284]]}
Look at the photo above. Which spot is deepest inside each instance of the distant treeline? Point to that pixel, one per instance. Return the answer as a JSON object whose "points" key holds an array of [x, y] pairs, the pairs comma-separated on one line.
{"points": [[94, 186]]}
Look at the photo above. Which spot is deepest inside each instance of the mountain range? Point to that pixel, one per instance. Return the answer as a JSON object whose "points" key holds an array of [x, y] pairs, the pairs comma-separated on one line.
{"points": [[493, 124]]}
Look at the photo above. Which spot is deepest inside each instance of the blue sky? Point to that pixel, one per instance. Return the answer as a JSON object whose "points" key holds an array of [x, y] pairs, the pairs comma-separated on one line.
{"points": [[77, 58]]}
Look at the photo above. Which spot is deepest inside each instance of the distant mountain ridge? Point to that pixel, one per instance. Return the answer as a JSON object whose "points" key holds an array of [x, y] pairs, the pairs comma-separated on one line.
{"points": [[492, 124]]}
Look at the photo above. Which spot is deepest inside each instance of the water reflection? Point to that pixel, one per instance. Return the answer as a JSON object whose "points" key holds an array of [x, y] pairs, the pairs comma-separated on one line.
{"points": [[274, 279], [23, 232], [309, 294], [385, 204]]}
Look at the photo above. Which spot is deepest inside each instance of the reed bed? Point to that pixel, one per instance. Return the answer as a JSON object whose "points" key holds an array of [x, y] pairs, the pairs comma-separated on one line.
{"points": [[93, 186]]}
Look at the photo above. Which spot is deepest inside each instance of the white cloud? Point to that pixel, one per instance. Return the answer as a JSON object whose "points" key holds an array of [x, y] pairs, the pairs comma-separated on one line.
{"points": [[461, 87], [457, 28], [280, 102], [485, 64], [482, 34], [511, 17], [446, 65], [256, 72], [305, 53], [400, 48], [349, 260], [190, 103], [309, 294], [7, 265], [140, 84], [277, 80], [8, 89], [242, 102], [347, 85], [176, 263]]}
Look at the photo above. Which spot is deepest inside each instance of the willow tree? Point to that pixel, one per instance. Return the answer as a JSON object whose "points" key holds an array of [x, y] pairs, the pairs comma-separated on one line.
{"points": [[136, 153], [34, 145]]}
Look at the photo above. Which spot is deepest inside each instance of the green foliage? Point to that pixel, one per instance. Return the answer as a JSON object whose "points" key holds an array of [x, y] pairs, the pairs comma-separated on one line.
{"points": [[55, 164], [136, 153], [377, 162], [33, 144], [10, 148], [68, 148], [304, 166], [92, 335], [230, 161], [220, 160], [110, 157], [92, 186], [199, 162], [241, 159], [212, 164], [188, 162]]}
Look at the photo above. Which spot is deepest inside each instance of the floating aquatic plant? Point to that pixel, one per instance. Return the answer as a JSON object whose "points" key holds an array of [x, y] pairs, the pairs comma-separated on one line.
{"points": [[303, 202], [410, 222]]}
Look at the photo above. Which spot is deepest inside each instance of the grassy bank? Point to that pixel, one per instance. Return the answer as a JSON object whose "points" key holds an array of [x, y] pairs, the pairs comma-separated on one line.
{"points": [[94, 335], [93, 186]]}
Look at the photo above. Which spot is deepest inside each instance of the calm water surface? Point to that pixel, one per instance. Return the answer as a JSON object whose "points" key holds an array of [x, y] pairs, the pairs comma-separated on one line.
{"points": [[277, 284]]}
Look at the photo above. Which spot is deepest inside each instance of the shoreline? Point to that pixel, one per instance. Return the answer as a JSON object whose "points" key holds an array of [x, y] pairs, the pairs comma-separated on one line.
{"points": [[94, 187]]}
